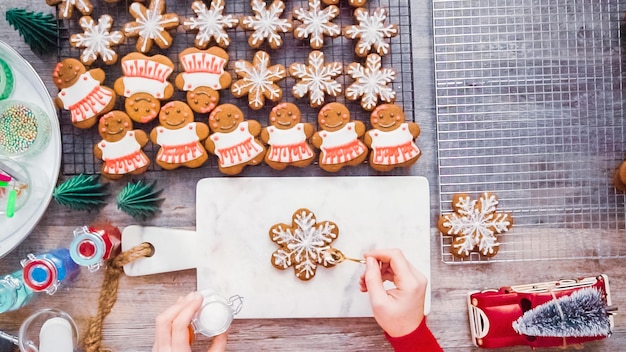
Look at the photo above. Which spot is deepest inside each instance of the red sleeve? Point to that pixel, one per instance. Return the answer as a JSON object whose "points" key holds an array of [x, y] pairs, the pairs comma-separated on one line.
{"points": [[420, 340]]}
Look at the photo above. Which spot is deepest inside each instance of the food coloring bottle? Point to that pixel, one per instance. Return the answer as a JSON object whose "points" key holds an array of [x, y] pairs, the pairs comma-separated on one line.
{"points": [[45, 272], [14, 294], [93, 245]]}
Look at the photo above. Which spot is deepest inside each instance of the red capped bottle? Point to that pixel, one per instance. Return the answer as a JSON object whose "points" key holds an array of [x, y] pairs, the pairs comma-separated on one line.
{"points": [[45, 272], [93, 245]]}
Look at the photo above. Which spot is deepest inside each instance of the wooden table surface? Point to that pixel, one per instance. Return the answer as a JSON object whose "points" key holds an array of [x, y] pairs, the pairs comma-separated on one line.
{"points": [[130, 326]]}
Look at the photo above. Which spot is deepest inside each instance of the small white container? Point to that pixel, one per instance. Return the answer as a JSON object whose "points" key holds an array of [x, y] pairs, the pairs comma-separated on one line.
{"points": [[216, 313]]}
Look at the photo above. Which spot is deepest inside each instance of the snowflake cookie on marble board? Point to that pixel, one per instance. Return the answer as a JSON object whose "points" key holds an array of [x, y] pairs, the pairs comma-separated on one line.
{"points": [[371, 32], [151, 25], [258, 80], [210, 23], [266, 24], [303, 244], [474, 225], [66, 7], [316, 23], [97, 40], [370, 82], [316, 79]]}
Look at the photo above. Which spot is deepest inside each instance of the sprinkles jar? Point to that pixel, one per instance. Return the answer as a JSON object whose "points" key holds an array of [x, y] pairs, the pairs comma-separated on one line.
{"points": [[24, 128]]}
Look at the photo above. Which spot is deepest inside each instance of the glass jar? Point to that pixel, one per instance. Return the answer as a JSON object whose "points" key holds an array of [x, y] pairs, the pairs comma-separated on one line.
{"points": [[216, 313]]}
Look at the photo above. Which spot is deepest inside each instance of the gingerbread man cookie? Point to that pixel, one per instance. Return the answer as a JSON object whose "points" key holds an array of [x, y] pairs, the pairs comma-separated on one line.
{"points": [[287, 138], [81, 92], [338, 138], [210, 23], [151, 25], [371, 32], [234, 140], [316, 23], [97, 40], [391, 139], [266, 24], [66, 7], [144, 84], [121, 147], [258, 80], [180, 137], [204, 74]]}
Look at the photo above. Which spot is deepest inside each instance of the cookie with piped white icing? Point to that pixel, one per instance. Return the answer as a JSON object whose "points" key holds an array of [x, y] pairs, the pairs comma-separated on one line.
{"points": [[371, 32], [96, 40], [266, 24], [210, 24], [151, 25]]}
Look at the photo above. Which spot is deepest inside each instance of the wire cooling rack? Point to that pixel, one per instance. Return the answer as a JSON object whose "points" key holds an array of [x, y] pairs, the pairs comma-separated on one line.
{"points": [[530, 105], [78, 144]]}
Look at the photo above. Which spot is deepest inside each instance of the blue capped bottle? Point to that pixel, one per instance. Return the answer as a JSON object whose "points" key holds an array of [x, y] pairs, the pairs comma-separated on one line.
{"points": [[14, 294], [45, 272]]}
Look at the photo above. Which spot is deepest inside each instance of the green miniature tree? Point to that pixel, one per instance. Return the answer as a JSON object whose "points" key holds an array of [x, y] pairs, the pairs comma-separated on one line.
{"points": [[81, 192], [40, 31], [139, 200], [583, 313]]}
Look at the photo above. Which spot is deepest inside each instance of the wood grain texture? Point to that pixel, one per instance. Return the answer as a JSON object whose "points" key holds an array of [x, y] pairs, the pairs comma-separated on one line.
{"points": [[130, 326]]}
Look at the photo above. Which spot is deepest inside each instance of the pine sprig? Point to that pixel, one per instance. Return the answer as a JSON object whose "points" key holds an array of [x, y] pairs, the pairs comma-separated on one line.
{"points": [[40, 31], [139, 200], [81, 192]]}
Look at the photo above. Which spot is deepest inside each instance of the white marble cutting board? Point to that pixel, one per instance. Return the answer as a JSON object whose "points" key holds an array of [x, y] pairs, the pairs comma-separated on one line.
{"points": [[231, 248]]}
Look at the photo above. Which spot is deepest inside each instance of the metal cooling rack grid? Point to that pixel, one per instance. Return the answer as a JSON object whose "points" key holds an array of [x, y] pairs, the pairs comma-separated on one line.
{"points": [[77, 144], [530, 105]]}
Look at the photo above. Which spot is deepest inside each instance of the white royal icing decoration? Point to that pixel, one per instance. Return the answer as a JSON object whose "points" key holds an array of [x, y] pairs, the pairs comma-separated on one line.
{"points": [[371, 31], [393, 147], [316, 79], [179, 145], [266, 22], [134, 85], [151, 25], [210, 23], [86, 98], [236, 147], [83, 6], [288, 146], [122, 156], [258, 79], [202, 70], [342, 145], [303, 245], [371, 82], [316, 22], [97, 39]]}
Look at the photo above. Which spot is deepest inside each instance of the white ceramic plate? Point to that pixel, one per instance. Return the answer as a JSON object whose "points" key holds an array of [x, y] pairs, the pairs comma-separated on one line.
{"points": [[43, 167]]}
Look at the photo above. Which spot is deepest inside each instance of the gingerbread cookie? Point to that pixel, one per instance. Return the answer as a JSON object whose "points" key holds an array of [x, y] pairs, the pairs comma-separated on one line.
{"points": [[144, 84], [303, 244], [391, 139], [81, 92], [180, 137], [287, 138], [234, 140], [210, 24], [258, 80], [353, 3], [371, 32], [151, 25], [316, 23], [316, 79], [474, 225], [97, 40], [266, 24], [370, 82], [338, 138], [66, 7], [619, 177], [204, 74], [121, 147]]}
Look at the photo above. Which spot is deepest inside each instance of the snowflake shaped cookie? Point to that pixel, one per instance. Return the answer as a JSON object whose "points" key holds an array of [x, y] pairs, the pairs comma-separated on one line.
{"points": [[97, 40], [370, 82], [151, 25], [316, 79], [303, 244], [316, 22], [371, 32], [266, 23], [353, 3], [474, 224], [258, 80], [66, 7], [210, 24]]}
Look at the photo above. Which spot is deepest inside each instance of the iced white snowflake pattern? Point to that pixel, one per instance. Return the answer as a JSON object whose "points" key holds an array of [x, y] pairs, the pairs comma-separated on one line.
{"points": [[210, 23], [303, 244], [151, 25], [317, 79], [66, 7], [97, 40], [258, 80], [371, 82], [316, 22], [266, 23], [371, 32], [475, 223]]}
